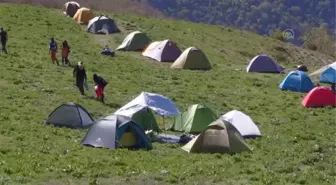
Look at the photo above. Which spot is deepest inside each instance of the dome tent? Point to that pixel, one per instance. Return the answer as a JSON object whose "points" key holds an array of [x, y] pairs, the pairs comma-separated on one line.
{"points": [[70, 8], [263, 64], [219, 137], [243, 123], [192, 58], [70, 115], [102, 25], [195, 119], [162, 51], [297, 81], [135, 41], [83, 15], [116, 131], [142, 116]]}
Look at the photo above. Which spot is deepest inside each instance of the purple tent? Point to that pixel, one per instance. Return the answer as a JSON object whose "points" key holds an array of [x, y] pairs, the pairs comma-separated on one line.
{"points": [[263, 64], [163, 51]]}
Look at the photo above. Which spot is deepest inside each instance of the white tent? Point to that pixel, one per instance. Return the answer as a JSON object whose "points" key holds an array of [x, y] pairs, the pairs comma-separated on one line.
{"points": [[158, 103], [242, 122]]}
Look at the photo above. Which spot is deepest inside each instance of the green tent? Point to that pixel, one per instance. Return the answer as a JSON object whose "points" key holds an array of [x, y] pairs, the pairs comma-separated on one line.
{"points": [[195, 119], [135, 41], [219, 137], [142, 116], [192, 58]]}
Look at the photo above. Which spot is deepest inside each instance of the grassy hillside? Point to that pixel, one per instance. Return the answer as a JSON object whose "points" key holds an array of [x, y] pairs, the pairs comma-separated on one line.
{"points": [[297, 147]]}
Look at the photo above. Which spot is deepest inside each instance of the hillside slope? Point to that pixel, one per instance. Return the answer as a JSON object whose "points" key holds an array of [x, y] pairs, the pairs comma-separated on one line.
{"points": [[298, 143], [261, 16]]}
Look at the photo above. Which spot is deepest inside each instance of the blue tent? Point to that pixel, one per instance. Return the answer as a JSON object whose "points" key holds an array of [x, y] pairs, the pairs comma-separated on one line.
{"points": [[297, 81], [328, 75]]}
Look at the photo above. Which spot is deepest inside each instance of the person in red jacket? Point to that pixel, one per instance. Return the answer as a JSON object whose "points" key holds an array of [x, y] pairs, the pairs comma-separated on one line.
{"points": [[65, 53], [100, 84]]}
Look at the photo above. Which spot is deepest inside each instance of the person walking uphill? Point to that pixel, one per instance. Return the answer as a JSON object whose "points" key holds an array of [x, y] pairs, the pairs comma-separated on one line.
{"points": [[65, 53], [100, 84], [4, 39], [80, 74], [53, 51]]}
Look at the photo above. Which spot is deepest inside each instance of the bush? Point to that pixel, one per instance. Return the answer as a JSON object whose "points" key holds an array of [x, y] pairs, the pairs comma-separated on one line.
{"points": [[278, 35]]}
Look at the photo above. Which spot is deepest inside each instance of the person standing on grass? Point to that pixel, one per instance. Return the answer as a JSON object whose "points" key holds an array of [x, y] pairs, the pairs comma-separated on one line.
{"points": [[53, 51], [65, 53], [80, 74], [100, 84], [4, 39]]}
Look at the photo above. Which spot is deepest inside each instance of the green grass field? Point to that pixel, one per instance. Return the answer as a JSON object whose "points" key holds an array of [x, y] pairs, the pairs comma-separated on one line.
{"points": [[297, 147]]}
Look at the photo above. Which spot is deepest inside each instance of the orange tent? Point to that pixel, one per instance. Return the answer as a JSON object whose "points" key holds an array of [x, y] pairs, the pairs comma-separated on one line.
{"points": [[83, 16]]}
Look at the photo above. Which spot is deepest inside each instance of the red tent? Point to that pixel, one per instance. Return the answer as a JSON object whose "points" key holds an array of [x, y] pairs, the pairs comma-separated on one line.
{"points": [[319, 97]]}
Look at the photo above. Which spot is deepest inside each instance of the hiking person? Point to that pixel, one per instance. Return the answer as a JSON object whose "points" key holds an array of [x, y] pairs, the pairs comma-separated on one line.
{"points": [[80, 74], [53, 51], [65, 53], [4, 39], [100, 84]]}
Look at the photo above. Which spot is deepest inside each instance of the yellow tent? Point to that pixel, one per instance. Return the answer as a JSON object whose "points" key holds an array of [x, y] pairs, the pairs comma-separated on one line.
{"points": [[83, 16]]}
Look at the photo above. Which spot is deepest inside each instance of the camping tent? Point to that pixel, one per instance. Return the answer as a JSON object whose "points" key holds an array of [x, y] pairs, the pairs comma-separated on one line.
{"points": [[195, 119], [329, 75], [70, 8], [263, 64], [162, 51], [70, 115], [116, 131], [135, 41], [319, 97], [192, 58], [297, 81], [156, 102], [83, 16], [243, 123], [102, 25], [319, 71], [219, 137], [142, 116]]}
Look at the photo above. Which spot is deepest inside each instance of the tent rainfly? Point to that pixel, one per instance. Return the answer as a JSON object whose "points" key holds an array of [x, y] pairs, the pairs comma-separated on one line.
{"points": [[156, 102], [263, 64]]}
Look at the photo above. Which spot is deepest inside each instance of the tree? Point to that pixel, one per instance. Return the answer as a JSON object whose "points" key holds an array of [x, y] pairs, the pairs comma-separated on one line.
{"points": [[320, 39]]}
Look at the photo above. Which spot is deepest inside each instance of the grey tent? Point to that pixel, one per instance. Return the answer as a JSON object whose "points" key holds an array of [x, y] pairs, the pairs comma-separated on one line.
{"points": [[70, 115], [116, 131], [102, 25]]}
